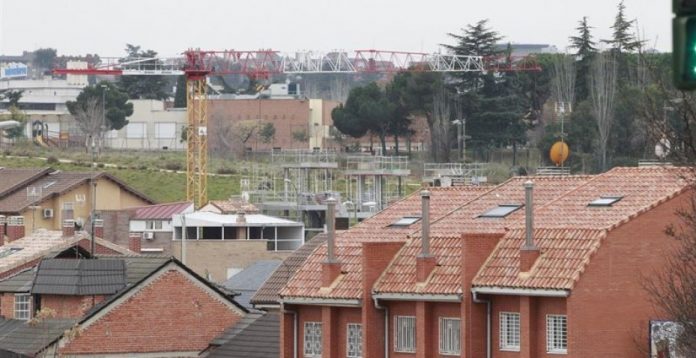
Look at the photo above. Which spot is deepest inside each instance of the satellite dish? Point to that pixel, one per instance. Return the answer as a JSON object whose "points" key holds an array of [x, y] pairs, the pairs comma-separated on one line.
{"points": [[559, 153], [662, 148]]}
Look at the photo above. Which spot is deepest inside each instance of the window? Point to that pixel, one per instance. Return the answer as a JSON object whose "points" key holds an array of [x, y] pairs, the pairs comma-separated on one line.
{"points": [[354, 341], [68, 206], [405, 334], [165, 130], [152, 225], [509, 331], [605, 201], [557, 334], [135, 130], [49, 184], [406, 221], [501, 211], [111, 134], [449, 336], [22, 306], [312, 339]]}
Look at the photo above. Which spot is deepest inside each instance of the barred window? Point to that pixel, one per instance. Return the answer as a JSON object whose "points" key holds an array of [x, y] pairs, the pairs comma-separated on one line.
{"points": [[354, 341], [405, 334], [450, 343], [22, 306], [557, 334], [509, 331], [312, 339]]}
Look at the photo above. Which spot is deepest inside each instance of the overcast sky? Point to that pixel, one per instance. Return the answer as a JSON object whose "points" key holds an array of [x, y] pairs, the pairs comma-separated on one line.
{"points": [[171, 26]]}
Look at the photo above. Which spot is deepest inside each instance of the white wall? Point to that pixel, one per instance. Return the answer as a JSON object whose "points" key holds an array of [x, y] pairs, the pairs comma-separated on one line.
{"points": [[152, 128]]}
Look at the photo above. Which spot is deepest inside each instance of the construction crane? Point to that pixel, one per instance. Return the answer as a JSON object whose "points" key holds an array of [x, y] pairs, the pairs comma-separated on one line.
{"points": [[197, 65]]}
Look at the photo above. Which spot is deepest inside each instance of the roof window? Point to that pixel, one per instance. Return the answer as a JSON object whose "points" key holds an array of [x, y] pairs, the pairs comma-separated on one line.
{"points": [[605, 201], [10, 251], [49, 184], [406, 221], [501, 211]]}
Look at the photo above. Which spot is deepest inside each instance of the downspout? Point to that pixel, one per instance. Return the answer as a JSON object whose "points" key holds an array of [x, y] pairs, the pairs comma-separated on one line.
{"points": [[476, 299], [386, 325], [294, 329]]}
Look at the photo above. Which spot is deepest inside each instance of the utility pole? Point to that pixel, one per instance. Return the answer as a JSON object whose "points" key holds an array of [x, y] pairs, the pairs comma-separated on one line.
{"points": [[93, 214]]}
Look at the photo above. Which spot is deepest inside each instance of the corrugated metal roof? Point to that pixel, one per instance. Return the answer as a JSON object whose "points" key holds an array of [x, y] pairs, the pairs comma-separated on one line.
{"points": [[79, 277], [204, 219], [161, 211]]}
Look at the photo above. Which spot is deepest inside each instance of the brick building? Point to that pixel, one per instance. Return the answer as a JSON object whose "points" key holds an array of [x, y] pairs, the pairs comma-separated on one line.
{"points": [[555, 268]]}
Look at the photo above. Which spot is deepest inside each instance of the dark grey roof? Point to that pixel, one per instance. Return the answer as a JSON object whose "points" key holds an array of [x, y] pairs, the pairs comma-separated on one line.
{"points": [[138, 267], [19, 282], [79, 277], [236, 328], [28, 339], [259, 339], [267, 294], [249, 280]]}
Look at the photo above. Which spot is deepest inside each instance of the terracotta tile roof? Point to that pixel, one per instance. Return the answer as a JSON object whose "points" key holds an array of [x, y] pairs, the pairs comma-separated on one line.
{"points": [[307, 281], [568, 231], [231, 206], [13, 178], [445, 243], [160, 211]]}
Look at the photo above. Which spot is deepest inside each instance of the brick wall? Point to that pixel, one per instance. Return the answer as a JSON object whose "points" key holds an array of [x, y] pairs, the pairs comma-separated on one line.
{"points": [[70, 306], [7, 305], [170, 314], [101, 250]]}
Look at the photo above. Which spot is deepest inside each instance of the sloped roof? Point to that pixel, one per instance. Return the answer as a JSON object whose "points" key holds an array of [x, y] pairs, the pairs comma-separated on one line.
{"points": [[568, 231], [259, 339], [55, 183], [307, 281], [269, 292], [79, 277], [249, 280], [238, 327], [23, 338], [19, 282], [231, 206], [160, 211], [13, 178], [445, 242]]}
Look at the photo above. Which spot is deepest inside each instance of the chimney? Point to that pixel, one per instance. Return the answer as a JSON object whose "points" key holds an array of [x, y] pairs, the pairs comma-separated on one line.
{"points": [[134, 241], [2, 229], [15, 228], [68, 228], [99, 228], [241, 230], [529, 252], [425, 262], [331, 268]]}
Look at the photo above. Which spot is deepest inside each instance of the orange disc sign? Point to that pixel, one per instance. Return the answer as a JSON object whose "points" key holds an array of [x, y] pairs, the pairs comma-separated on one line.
{"points": [[559, 153]]}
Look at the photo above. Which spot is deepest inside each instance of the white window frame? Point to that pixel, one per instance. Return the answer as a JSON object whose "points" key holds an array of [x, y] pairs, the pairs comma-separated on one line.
{"points": [[510, 331], [405, 334], [354, 340], [22, 306], [450, 336], [312, 340], [132, 133], [557, 334], [153, 225]]}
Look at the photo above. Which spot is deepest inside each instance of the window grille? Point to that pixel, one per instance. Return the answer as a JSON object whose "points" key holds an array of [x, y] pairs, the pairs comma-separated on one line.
{"points": [[354, 341], [405, 334], [556, 334], [312, 339], [509, 331], [22, 306], [450, 336]]}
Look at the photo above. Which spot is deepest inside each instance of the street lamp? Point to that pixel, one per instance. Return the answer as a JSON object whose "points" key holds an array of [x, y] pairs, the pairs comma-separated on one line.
{"points": [[461, 123]]}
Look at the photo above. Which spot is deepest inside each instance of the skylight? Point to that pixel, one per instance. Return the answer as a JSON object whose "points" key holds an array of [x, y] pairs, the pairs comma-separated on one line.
{"points": [[49, 184], [501, 211], [605, 201], [406, 221], [10, 251]]}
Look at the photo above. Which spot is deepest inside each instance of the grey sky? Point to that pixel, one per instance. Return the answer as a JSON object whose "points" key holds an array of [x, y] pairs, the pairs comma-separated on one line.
{"points": [[171, 26]]}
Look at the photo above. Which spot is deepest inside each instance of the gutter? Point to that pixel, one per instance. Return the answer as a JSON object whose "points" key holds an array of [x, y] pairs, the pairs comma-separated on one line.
{"points": [[335, 302], [386, 325], [508, 291], [456, 298], [489, 343]]}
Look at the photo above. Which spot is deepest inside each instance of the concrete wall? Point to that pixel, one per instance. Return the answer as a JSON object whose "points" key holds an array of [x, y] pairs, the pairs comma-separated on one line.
{"points": [[152, 115]]}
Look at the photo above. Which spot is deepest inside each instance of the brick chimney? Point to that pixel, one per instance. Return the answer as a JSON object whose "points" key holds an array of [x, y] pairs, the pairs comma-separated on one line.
{"points": [[331, 268], [425, 262], [134, 241], [241, 230], [15, 228], [529, 251], [68, 228], [2, 229], [99, 228]]}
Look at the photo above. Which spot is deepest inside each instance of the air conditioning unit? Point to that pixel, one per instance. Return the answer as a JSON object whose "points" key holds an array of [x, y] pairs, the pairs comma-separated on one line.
{"points": [[148, 235], [47, 213]]}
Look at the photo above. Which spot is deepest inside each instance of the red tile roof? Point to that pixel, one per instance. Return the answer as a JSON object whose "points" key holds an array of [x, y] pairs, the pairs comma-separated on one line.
{"points": [[160, 211], [568, 231], [445, 243], [307, 281], [231, 206]]}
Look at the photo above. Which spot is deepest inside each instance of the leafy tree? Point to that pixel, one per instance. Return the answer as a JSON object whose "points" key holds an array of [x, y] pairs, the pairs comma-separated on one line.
{"points": [[45, 58], [366, 110], [300, 135], [13, 97], [586, 50], [180, 94], [143, 87], [116, 103], [267, 133]]}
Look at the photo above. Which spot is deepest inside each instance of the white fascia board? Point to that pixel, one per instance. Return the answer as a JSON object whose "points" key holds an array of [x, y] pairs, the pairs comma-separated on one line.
{"points": [[510, 291], [336, 302], [417, 297]]}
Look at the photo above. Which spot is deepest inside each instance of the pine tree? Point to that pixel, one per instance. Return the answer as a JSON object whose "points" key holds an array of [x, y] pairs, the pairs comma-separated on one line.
{"points": [[586, 49], [476, 40], [180, 94], [623, 39]]}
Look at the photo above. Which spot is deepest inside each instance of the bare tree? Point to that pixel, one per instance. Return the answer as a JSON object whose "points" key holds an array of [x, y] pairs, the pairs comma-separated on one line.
{"points": [[90, 121], [602, 93], [564, 82], [440, 135]]}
